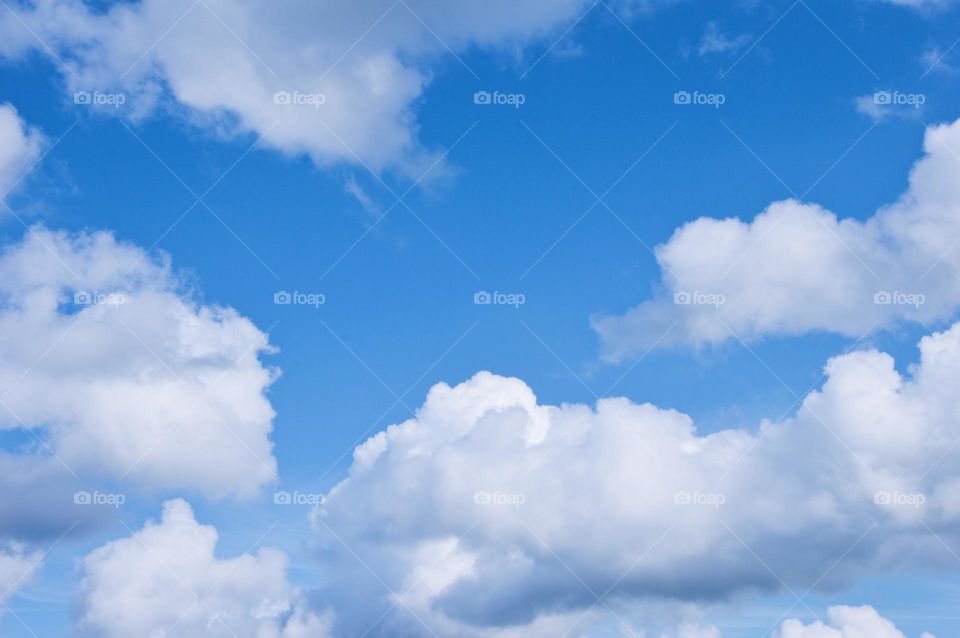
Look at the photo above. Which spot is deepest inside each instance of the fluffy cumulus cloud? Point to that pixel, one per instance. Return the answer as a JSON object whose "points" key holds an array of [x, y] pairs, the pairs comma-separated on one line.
{"points": [[17, 566], [20, 147], [166, 580], [109, 360], [797, 267], [844, 622], [488, 510], [347, 73]]}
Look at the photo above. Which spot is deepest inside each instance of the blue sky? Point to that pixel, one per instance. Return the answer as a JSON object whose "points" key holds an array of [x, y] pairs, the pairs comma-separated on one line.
{"points": [[499, 212]]}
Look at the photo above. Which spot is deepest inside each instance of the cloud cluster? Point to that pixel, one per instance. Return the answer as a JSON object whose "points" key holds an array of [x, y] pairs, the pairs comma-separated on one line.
{"points": [[488, 509], [798, 268], [166, 580], [20, 147], [108, 359], [17, 566], [844, 622], [336, 82]]}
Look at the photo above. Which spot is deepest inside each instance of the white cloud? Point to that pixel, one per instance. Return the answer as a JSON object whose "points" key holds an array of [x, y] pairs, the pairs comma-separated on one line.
{"points": [[693, 631], [797, 267], [716, 41], [223, 61], [166, 580], [920, 4], [488, 510], [108, 356], [882, 105], [20, 147], [936, 60], [17, 567], [844, 622]]}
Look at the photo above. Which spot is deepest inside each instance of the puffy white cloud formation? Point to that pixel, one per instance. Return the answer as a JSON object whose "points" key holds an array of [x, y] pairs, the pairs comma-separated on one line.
{"points": [[693, 631], [223, 61], [17, 566], [108, 357], [798, 268], [20, 147], [844, 622], [166, 580], [490, 510]]}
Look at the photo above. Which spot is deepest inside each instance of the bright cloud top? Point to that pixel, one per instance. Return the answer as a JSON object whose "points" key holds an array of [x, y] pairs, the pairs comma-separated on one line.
{"points": [[798, 268], [20, 147], [333, 81], [477, 511], [166, 580], [844, 622], [107, 354]]}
